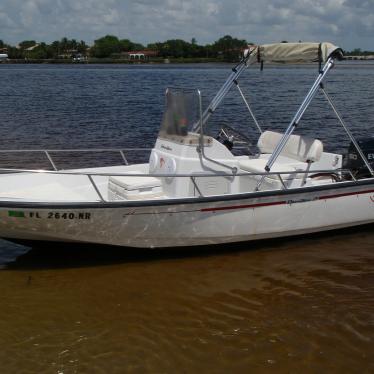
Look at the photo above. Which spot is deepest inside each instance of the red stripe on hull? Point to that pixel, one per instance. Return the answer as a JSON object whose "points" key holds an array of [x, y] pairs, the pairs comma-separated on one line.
{"points": [[259, 205], [243, 206]]}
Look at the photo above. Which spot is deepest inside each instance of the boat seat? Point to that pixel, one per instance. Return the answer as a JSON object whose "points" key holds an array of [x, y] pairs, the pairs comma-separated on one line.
{"points": [[298, 152], [300, 148], [134, 188], [257, 165]]}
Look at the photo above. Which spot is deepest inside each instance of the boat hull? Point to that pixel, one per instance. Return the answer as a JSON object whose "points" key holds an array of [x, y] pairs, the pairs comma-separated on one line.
{"points": [[189, 222]]}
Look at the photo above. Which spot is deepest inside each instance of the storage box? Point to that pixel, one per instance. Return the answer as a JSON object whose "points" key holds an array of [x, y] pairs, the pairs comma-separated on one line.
{"points": [[134, 188]]}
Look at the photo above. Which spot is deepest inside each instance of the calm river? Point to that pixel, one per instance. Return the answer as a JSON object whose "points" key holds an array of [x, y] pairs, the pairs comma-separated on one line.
{"points": [[288, 306]]}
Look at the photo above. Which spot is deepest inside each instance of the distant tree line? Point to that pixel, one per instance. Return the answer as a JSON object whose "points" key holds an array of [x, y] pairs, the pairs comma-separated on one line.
{"points": [[226, 48], [30, 49], [358, 52], [110, 46]]}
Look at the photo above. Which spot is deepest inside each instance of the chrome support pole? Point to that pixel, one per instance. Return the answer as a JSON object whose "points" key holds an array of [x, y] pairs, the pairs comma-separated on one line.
{"points": [[201, 124], [200, 148], [95, 187], [123, 157], [353, 140], [220, 95], [248, 107], [282, 181], [50, 160], [352, 176], [236, 72], [196, 186], [305, 175], [227, 86], [297, 117]]}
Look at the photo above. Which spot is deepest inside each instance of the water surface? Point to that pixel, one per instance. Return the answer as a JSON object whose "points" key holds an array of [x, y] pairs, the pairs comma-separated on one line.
{"points": [[291, 305]]}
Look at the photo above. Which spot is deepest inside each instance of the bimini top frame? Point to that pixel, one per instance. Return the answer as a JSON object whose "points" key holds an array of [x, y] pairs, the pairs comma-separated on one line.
{"points": [[323, 53], [278, 53]]}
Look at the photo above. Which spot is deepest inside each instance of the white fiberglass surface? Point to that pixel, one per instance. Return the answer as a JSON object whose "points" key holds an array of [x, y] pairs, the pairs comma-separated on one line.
{"points": [[58, 187], [46, 187]]}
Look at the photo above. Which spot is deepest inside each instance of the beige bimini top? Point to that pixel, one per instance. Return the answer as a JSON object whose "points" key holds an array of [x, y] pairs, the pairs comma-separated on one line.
{"points": [[294, 52]]}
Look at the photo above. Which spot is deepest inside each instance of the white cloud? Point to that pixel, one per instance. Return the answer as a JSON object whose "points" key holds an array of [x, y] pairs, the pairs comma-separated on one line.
{"points": [[349, 23]]}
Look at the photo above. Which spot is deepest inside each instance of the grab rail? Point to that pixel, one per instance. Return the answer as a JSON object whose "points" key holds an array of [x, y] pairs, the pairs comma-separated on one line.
{"points": [[163, 175], [121, 151], [193, 177], [48, 152]]}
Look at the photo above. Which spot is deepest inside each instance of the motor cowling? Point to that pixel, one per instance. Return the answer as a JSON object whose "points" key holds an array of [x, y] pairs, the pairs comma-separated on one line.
{"points": [[354, 161]]}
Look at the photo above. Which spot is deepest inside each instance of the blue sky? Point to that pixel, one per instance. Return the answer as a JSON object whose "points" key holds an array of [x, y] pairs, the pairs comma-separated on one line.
{"points": [[347, 23]]}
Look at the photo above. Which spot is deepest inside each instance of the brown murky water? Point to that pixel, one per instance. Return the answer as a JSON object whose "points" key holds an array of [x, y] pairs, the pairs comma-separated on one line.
{"points": [[305, 304]]}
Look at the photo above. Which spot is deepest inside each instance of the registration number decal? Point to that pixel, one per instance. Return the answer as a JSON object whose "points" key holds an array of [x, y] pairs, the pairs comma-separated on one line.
{"points": [[71, 215], [50, 215]]}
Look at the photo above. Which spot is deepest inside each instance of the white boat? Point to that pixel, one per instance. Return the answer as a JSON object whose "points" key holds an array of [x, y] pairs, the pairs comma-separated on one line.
{"points": [[194, 190]]}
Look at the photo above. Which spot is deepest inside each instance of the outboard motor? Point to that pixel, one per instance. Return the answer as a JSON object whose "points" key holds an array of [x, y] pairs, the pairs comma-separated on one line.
{"points": [[354, 161]]}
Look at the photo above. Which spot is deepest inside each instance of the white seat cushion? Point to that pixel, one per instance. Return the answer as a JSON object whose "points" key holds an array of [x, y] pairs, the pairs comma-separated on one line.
{"points": [[298, 147], [135, 183], [257, 165]]}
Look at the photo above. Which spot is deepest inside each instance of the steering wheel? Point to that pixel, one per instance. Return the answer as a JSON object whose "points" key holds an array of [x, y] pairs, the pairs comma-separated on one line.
{"points": [[231, 137]]}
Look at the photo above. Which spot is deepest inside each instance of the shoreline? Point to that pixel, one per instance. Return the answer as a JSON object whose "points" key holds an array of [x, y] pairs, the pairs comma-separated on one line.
{"points": [[172, 62], [117, 61]]}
